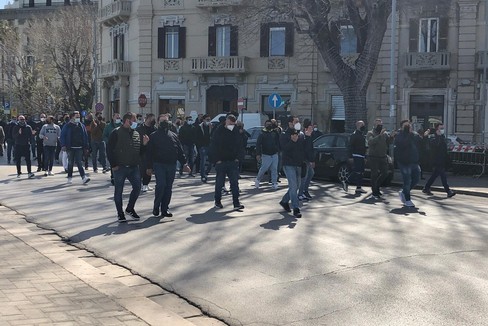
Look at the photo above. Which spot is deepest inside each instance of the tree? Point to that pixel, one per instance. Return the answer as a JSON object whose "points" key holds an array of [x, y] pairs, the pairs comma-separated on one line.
{"points": [[321, 20]]}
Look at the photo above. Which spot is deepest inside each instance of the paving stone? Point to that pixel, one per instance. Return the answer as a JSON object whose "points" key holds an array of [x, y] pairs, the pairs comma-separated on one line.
{"points": [[176, 304]]}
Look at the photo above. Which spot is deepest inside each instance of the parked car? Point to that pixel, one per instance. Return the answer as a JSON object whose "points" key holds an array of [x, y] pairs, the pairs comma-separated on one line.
{"points": [[332, 158], [250, 162]]}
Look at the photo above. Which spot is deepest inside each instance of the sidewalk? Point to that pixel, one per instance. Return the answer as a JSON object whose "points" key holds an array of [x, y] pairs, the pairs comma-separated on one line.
{"points": [[44, 281]]}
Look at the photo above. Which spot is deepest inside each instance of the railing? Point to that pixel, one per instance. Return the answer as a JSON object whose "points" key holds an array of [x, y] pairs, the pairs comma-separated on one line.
{"points": [[218, 65], [115, 13], [428, 61], [482, 60], [114, 68], [218, 3], [463, 156]]}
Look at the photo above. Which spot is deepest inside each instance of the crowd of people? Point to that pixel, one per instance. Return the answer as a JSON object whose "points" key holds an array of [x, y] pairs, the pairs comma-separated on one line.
{"points": [[135, 149]]}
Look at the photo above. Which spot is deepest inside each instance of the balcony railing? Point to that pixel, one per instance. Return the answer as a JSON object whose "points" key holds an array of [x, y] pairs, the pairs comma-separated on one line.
{"points": [[114, 68], [115, 13], [218, 3], [482, 60], [416, 61], [218, 65]]}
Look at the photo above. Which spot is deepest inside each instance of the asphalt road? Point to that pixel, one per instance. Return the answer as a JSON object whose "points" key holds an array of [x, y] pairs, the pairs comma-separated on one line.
{"points": [[348, 261]]}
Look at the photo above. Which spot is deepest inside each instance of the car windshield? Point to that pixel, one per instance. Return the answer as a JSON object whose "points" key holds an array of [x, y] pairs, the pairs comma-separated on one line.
{"points": [[324, 141]]}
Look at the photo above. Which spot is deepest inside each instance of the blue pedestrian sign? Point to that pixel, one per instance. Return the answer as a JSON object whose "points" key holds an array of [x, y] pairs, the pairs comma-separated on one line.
{"points": [[7, 105], [83, 113], [274, 100]]}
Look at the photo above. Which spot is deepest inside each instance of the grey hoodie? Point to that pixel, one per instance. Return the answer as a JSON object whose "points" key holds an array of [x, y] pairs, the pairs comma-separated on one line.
{"points": [[52, 132]]}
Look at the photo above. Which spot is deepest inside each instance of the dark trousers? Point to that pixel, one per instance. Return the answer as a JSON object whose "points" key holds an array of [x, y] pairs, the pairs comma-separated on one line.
{"points": [[142, 170], [357, 172], [165, 176], [23, 151], [231, 170], [75, 155], [438, 171], [379, 172], [10, 149], [98, 153], [132, 174], [48, 156], [189, 154], [40, 154]]}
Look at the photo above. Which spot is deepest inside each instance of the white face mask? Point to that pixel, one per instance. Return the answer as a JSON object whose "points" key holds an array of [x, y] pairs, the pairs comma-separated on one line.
{"points": [[117, 121], [230, 127], [43, 119], [77, 120], [190, 122], [298, 126], [133, 125], [315, 129], [442, 131]]}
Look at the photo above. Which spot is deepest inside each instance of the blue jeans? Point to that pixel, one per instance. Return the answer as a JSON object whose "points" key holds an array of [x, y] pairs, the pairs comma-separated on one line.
{"points": [[269, 162], [10, 148], [411, 176], [293, 175], [438, 171], [49, 152], [98, 147], [132, 174], [165, 176], [75, 155], [308, 178], [357, 172], [203, 151], [230, 169], [190, 156]]}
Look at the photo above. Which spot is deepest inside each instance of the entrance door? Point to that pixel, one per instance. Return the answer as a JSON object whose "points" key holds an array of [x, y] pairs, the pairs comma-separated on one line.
{"points": [[175, 107], [426, 110], [221, 99]]}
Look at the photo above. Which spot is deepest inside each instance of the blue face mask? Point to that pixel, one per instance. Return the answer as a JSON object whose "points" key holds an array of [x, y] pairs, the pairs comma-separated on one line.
{"points": [[133, 125]]}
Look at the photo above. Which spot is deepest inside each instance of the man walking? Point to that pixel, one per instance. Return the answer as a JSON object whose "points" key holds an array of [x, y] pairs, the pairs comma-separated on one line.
{"points": [[357, 144], [36, 128], [407, 157], [438, 147], [303, 193], [225, 148], [22, 135], [124, 153], [49, 134], [267, 149], [187, 139], [97, 144], [163, 150], [10, 139], [146, 129], [202, 141], [74, 140], [377, 148]]}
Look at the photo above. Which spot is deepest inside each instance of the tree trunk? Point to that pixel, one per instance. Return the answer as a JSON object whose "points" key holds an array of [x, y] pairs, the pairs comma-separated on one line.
{"points": [[355, 105]]}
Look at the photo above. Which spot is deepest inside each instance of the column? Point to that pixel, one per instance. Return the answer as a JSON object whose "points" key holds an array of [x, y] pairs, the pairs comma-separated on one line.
{"points": [[106, 100], [124, 95]]}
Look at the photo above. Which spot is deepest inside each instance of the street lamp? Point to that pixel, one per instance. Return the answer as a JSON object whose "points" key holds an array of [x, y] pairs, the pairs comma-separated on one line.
{"points": [[392, 63]]}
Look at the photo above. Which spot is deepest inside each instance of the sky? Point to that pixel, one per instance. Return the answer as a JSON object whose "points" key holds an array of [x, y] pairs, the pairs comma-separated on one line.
{"points": [[3, 3]]}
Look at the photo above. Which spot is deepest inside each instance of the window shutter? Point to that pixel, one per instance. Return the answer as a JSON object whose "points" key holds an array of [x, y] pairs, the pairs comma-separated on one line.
{"points": [[116, 47], [161, 42], [234, 44], [182, 42], [122, 44], [413, 44], [443, 32], [289, 33], [212, 45], [264, 47]]}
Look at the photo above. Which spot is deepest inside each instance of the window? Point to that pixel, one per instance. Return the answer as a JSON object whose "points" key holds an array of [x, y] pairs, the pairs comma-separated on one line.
{"points": [[338, 119], [118, 46], [428, 35], [222, 41], [348, 39], [277, 39], [171, 42], [326, 141]]}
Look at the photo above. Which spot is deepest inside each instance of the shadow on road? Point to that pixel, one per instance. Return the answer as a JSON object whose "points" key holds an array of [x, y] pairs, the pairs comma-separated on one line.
{"points": [[212, 215], [407, 211], [287, 220]]}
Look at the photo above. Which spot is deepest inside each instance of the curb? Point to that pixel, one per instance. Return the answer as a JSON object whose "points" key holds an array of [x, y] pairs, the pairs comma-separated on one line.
{"points": [[441, 189]]}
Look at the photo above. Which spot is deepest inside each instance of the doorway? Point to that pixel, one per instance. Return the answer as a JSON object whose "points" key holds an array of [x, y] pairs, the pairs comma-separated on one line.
{"points": [[221, 99], [426, 110]]}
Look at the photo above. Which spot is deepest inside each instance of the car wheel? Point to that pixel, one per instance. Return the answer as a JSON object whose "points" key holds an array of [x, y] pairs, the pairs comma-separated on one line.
{"points": [[343, 172]]}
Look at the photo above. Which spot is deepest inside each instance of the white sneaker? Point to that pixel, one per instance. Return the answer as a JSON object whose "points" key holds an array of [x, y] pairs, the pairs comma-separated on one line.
{"points": [[409, 203], [50, 173], [256, 184], [144, 188], [402, 196], [31, 175], [275, 186], [86, 179], [70, 181], [149, 188]]}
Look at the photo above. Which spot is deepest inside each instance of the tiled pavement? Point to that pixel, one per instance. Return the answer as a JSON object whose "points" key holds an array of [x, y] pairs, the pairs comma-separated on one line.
{"points": [[44, 281]]}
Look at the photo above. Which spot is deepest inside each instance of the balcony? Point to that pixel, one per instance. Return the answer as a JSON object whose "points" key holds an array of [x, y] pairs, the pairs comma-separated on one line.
{"points": [[115, 13], [209, 65], [417, 61], [482, 60], [217, 3], [114, 68]]}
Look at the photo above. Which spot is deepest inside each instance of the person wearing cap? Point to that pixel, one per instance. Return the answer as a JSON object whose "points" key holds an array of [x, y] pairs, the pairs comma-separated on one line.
{"points": [[224, 153]]}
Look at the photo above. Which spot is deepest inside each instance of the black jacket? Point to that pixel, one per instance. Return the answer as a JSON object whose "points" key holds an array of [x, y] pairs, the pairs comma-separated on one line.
{"points": [[357, 143], [268, 142], [164, 147], [187, 134], [144, 130], [124, 147], [202, 135], [438, 151], [23, 138], [226, 145], [406, 148], [293, 153]]}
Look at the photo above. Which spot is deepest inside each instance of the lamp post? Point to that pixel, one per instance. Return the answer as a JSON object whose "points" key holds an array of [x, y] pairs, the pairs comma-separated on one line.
{"points": [[392, 63]]}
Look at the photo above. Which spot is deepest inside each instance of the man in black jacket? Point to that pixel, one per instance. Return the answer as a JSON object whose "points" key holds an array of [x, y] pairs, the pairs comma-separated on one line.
{"points": [[123, 151], [225, 148], [147, 128], [357, 144], [202, 141], [267, 148], [187, 139], [438, 147], [22, 135], [163, 150]]}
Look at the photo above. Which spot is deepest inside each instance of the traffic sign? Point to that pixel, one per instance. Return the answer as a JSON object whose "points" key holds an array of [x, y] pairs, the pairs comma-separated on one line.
{"points": [[275, 101], [99, 107], [7, 105], [83, 113], [242, 103], [142, 100]]}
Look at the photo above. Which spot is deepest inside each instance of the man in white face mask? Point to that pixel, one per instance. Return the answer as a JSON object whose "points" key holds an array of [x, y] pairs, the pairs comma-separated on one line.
{"points": [[224, 152], [440, 158]]}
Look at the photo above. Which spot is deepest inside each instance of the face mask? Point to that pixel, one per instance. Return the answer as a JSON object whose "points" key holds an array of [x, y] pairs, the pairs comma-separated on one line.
{"points": [[100, 118], [66, 120], [139, 121], [442, 131], [43, 119], [117, 121], [153, 123], [77, 120], [269, 127], [190, 122], [133, 125], [230, 127], [298, 126], [379, 128], [363, 128], [22, 123], [406, 129], [207, 123], [315, 129]]}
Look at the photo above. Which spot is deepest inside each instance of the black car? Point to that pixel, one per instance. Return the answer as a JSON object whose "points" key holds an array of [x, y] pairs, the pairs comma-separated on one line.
{"points": [[250, 162], [332, 158]]}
